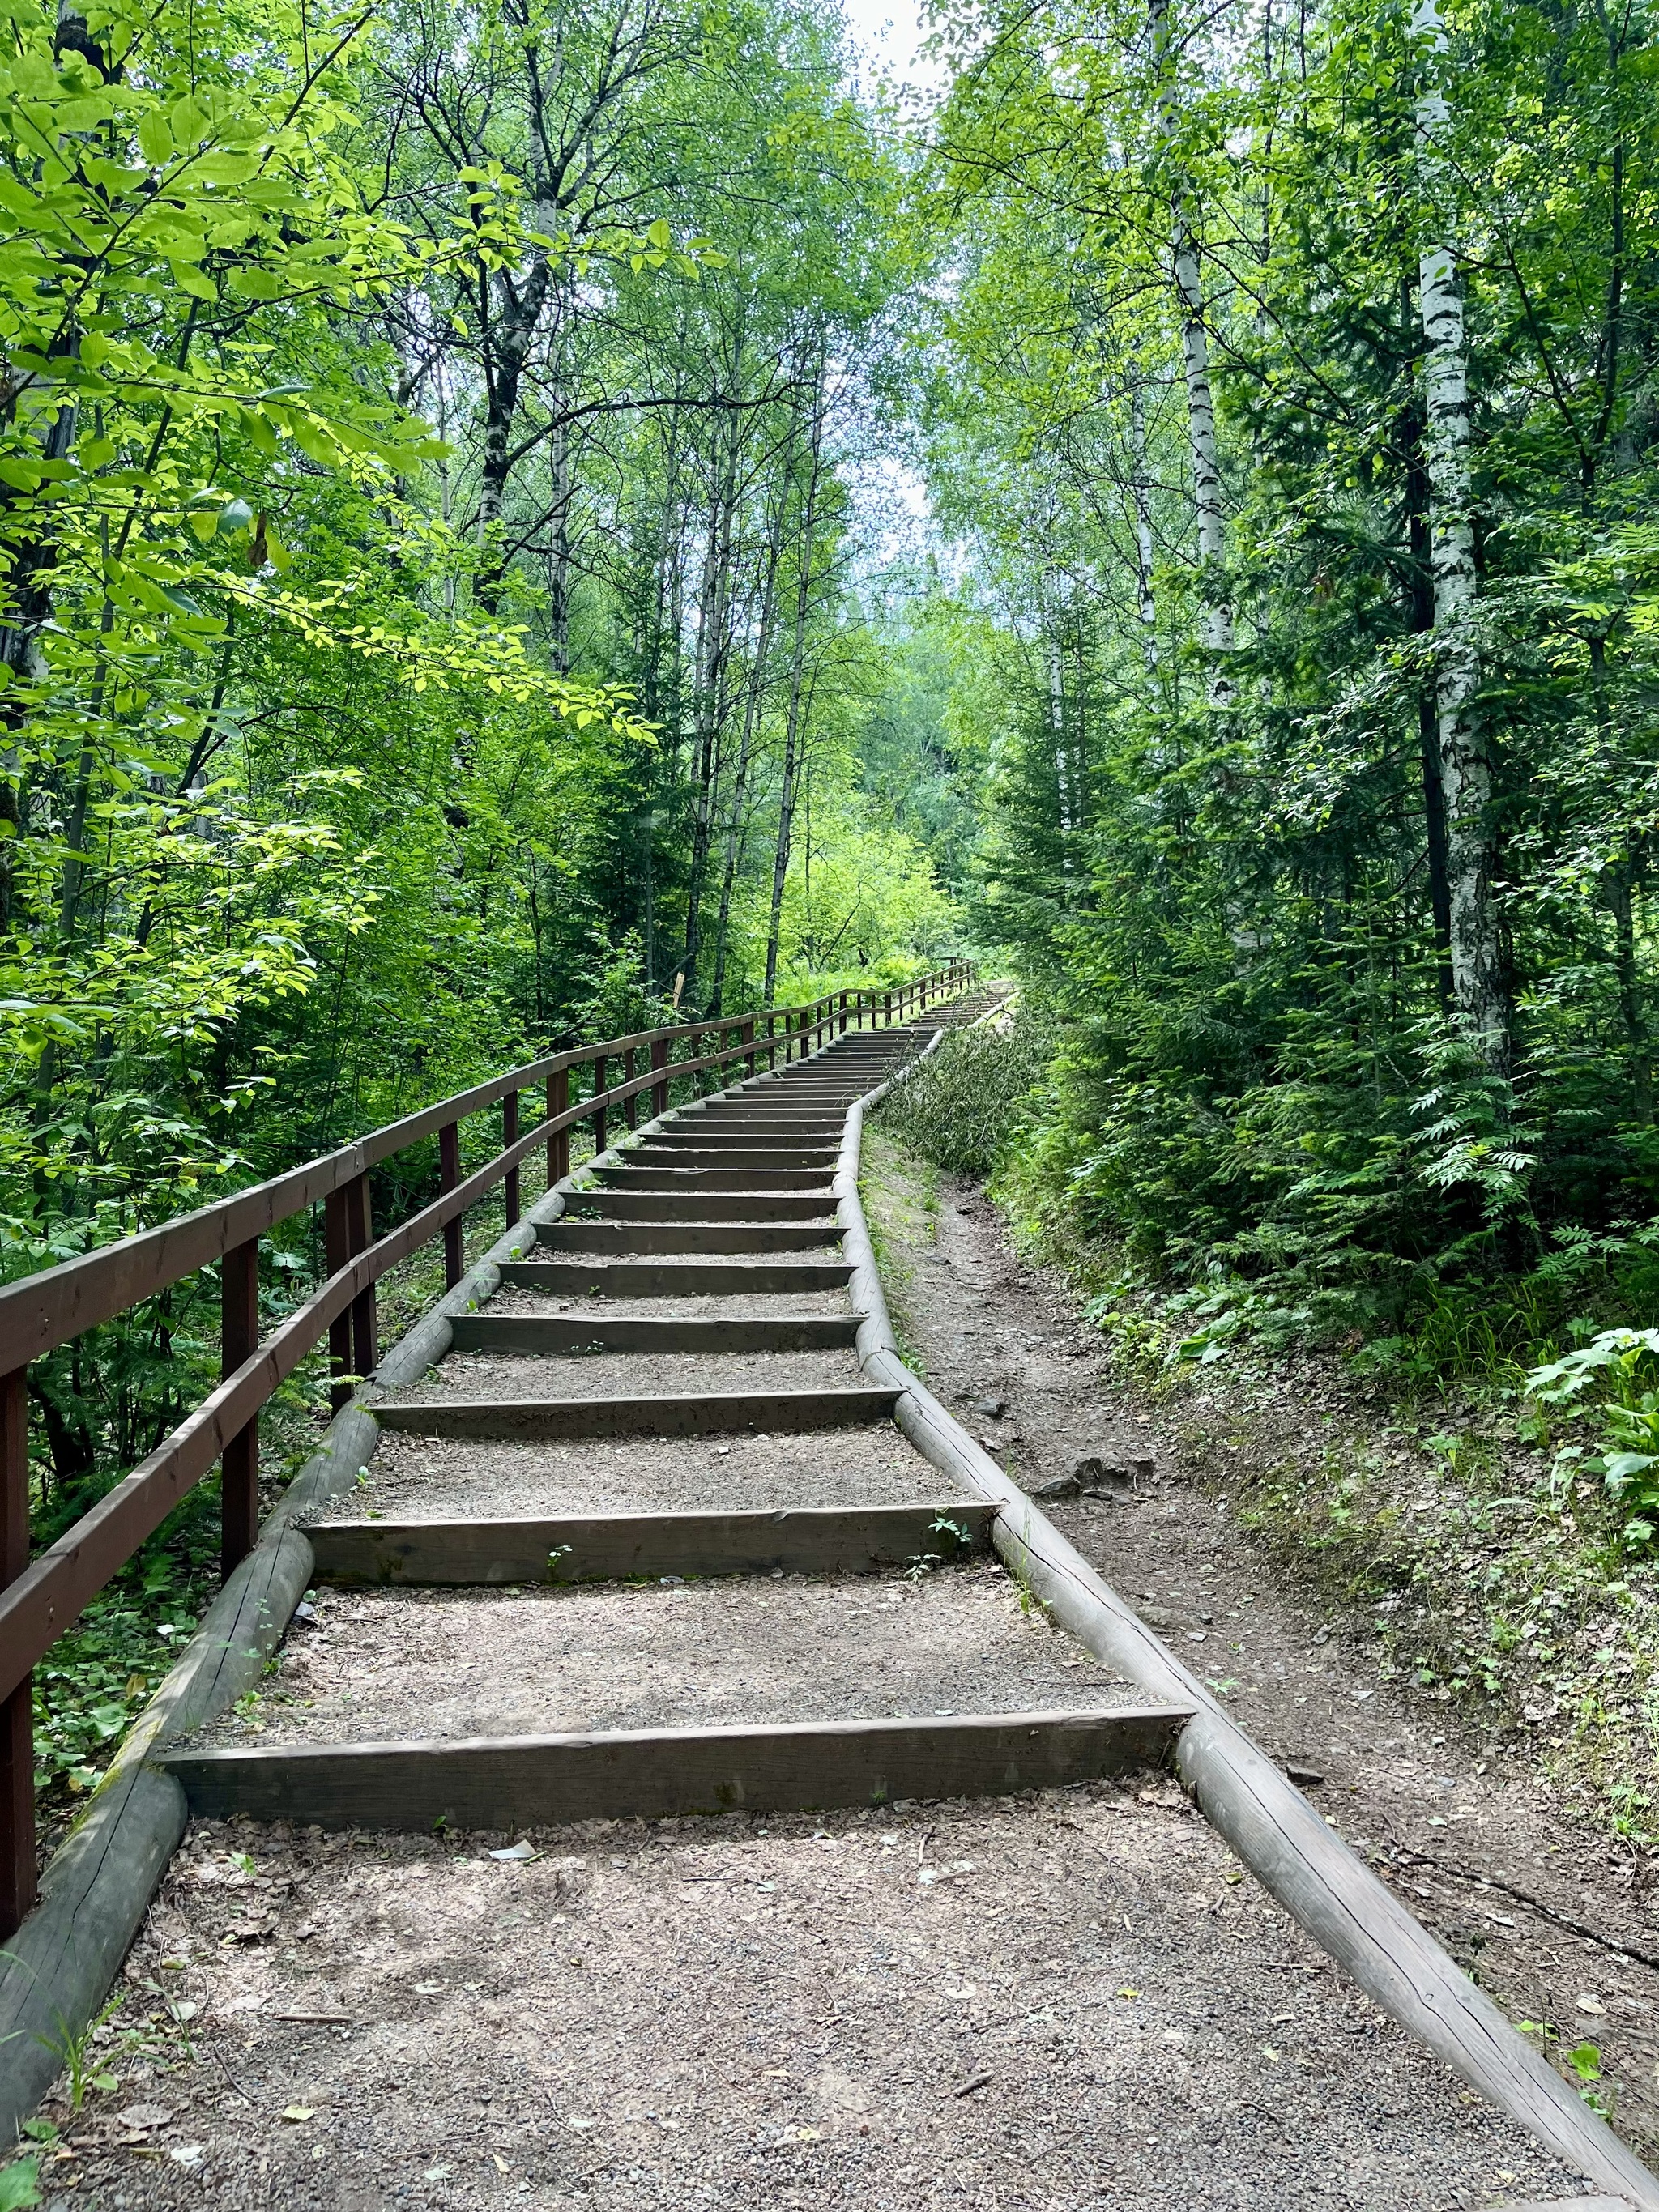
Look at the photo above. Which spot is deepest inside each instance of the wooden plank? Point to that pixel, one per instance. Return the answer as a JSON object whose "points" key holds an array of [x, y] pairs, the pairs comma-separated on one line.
{"points": [[572, 1334], [675, 1278], [693, 1181], [828, 1540], [617, 1239], [518, 1781], [608, 1205], [700, 1413]]}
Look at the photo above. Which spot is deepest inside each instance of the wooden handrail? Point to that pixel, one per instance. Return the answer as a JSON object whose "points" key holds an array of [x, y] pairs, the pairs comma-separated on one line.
{"points": [[41, 1600]]}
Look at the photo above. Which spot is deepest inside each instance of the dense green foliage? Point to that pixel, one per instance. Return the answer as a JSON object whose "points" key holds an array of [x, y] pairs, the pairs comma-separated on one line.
{"points": [[1357, 959]]}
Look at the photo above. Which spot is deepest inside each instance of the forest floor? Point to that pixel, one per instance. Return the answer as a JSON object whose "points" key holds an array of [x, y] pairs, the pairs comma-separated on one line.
{"points": [[1518, 1876]]}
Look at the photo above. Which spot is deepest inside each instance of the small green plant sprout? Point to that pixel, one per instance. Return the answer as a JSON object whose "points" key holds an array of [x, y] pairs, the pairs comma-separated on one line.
{"points": [[83, 2068], [921, 1565], [1449, 1451], [954, 1532], [1585, 2060], [242, 1861], [363, 1477]]}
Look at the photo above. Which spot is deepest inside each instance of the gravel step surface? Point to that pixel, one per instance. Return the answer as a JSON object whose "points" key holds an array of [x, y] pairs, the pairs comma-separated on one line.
{"points": [[632, 1374], [400, 1664], [708, 1306], [439, 1476], [1055, 2005]]}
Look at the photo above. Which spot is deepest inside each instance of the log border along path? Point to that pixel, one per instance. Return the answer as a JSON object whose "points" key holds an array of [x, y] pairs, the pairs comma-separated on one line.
{"points": [[689, 1212]]}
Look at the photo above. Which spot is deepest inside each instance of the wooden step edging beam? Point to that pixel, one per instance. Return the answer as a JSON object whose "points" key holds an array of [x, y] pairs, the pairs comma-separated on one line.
{"points": [[675, 1278], [521, 1782], [611, 1205], [1326, 1888], [623, 1240], [571, 1335], [807, 1539], [700, 1413]]}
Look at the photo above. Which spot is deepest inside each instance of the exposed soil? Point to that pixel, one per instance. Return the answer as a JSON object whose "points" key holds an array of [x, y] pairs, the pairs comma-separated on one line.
{"points": [[1036, 2006], [441, 1475], [1477, 1843]]}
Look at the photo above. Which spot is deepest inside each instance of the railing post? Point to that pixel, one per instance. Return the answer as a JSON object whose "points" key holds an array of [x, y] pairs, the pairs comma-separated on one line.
{"points": [[843, 1016], [365, 1325], [631, 1103], [17, 1876], [558, 1144], [337, 1247], [746, 1036], [449, 1174], [600, 1079], [239, 1339], [658, 1065], [771, 1042], [510, 1136]]}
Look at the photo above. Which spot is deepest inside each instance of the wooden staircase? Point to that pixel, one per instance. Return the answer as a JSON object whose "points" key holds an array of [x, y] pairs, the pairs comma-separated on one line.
{"points": [[692, 1295]]}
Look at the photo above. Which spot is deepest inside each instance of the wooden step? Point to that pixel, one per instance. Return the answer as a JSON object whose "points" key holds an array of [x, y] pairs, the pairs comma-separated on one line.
{"points": [[563, 1334], [607, 1203], [737, 1153], [688, 1236], [699, 1414], [507, 1784], [828, 1540], [702, 1179], [675, 1278], [811, 1134]]}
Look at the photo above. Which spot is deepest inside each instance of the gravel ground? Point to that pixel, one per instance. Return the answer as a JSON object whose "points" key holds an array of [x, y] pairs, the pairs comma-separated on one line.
{"points": [[1558, 1922], [439, 1476], [406, 1663], [1039, 2005], [632, 1374]]}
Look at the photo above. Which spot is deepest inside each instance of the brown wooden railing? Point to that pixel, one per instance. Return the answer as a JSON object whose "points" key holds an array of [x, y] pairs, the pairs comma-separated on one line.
{"points": [[41, 1600]]}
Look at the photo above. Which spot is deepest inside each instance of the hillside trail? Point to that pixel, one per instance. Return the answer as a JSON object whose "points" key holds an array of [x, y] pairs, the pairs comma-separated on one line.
{"points": [[452, 1926], [1553, 1915]]}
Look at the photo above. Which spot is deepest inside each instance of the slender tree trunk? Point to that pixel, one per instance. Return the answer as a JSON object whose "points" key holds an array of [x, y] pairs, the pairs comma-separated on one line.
{"points": [[1428, 741], [735, 829], [1145, 603], [711, 710], [791, 734], [1477, 964], [1216, 620]]}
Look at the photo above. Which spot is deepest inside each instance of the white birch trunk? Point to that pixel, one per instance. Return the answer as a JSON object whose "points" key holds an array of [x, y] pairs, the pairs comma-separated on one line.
{"points": [[1216, 620], [1146, 604], [1465, 764]]}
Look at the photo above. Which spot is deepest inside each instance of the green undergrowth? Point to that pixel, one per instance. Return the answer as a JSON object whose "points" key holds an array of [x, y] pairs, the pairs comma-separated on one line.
{"points": [[899, 1191]]}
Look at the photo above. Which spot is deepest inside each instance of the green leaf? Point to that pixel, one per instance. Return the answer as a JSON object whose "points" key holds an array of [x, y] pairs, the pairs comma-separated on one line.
{"points": [[20, 2184], [155, 139]]}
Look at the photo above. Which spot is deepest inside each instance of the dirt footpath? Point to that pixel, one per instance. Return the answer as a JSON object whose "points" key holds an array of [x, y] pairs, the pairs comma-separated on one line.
{"points": [[1551, 1917]]}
